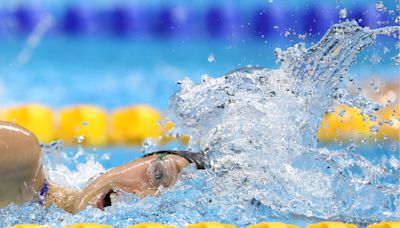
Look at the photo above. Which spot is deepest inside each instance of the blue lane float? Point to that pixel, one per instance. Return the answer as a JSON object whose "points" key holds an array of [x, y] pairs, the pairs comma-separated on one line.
{"points": [[223, 21], [271, 21], [172, 21], [27, 17], [220, 21], [6, 24], [317, 20], [128, 21], [79, 20]]}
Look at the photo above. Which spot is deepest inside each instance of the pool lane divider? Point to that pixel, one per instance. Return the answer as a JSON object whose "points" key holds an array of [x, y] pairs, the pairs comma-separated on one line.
{"points": [[214, 20], [328, 224], [331, 225], [272, 225], [90, 125]]}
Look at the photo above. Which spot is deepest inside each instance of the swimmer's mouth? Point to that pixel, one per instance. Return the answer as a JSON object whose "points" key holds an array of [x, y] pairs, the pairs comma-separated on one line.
{"points": [[105, 200]]}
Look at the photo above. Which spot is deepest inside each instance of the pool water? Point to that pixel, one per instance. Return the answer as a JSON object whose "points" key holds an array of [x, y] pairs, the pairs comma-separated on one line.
{"points": [[258, 130], [256, 126], [97, 71]]}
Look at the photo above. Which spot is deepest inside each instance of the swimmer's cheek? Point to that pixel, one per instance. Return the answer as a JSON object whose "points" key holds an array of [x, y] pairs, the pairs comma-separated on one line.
{"points": [[82, 203], [91, 196]]}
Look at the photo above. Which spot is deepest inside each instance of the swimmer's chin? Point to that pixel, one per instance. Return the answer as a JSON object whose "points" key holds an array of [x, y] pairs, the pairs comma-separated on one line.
{"points": [[99, 200]]}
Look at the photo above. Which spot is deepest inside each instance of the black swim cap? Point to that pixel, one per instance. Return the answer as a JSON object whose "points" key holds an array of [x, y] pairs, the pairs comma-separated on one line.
{"points": [[196, 158]]}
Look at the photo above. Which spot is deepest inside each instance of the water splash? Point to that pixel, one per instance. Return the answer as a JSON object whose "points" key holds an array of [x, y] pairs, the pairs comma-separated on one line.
{"points": [[258, 130], [255, 125], [72, 170]]}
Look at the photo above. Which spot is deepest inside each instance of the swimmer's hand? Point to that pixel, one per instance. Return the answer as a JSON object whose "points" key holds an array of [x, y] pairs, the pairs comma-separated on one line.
{"points": [[142, 177]]}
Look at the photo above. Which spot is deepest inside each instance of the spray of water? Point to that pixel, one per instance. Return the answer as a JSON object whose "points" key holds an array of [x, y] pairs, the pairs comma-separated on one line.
{"points": [[257, 128]]}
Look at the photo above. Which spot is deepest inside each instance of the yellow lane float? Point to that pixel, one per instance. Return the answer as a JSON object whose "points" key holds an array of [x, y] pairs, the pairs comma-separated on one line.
{"points": [[210, 225], [150, 225], [37, 118], [132, 125], [92, 126], [385, 225], [331, 225], [28, 226], [389, 121], [346, 123], [88, 225], [83, 124], [272, 225]]}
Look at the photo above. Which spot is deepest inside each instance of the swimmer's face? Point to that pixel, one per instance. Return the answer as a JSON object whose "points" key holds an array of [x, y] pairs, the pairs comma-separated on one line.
{"points": [[142, 177]]}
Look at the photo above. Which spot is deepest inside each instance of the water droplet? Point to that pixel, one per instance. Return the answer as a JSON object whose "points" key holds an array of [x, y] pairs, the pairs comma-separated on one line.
{"points": [[396, 59], [343, 13], [374, 130], [379, 6], [341, 113], [270, 1], [397, 20], [106, 156], [390, 122], [85, 123], [276, 27], [287, 33], [80, 138], [386, 50], [148, 144], [211, 58], [302, 37]]}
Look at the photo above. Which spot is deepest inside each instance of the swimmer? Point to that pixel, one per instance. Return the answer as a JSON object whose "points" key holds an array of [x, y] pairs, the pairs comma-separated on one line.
{"points": [[23, 179]]}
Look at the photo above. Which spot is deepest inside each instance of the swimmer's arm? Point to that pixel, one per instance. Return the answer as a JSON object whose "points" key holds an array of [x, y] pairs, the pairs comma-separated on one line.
{"points": [[62, 197]]}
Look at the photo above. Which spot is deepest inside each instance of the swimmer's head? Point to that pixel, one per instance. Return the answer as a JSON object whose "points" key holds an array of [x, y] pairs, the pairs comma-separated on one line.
{"points": [[142, 177], [21, 172]]}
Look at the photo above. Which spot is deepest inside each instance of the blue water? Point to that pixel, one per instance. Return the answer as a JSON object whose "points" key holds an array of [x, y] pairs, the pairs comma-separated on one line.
{"points": [[112, 72]]}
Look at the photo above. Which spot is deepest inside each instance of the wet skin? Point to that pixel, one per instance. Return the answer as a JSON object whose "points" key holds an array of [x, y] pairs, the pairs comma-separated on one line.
{"points": [[22, 175], [142, 177]]}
